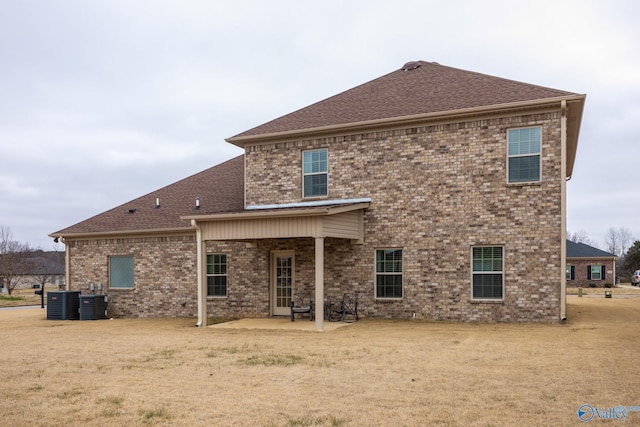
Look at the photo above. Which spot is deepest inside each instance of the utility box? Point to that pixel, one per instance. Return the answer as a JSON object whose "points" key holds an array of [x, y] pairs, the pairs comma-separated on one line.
{"points": [[63, 305], [93, 307]]}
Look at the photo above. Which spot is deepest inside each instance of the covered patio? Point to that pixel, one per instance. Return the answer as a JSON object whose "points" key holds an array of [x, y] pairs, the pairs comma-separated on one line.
{"points": [[342, 219]]}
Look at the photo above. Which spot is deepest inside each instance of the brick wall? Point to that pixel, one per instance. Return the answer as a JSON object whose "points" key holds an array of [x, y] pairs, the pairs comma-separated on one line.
{"points": [[436, 192], [580, 277], [164, 274]]}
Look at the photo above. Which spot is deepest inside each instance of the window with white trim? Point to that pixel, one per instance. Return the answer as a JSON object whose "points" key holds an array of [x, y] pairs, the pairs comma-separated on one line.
{"points": [[315, 171], [389, 273], [487, 272], [524, 148], [216, 275], [595, 272], [571, 272], [121, 272]]}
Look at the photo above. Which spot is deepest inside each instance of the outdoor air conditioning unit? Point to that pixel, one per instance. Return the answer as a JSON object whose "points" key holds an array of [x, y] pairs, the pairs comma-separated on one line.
{"points": [[93, 307], [63, 305]]}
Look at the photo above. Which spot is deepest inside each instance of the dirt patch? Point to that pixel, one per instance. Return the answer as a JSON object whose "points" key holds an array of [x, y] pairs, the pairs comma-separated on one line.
{"points": [[371, 373]]}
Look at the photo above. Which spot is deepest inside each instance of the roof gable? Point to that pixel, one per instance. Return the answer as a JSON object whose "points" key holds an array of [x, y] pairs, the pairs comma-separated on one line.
{"points": [[219, 189], [418, 88]]}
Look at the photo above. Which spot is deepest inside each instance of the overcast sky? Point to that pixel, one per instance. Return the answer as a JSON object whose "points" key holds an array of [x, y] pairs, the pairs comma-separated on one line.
{"points": [[104, 101]]}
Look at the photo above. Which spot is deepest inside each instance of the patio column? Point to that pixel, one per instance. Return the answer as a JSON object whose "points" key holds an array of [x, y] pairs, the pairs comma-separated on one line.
{"points": [[319, 308]]}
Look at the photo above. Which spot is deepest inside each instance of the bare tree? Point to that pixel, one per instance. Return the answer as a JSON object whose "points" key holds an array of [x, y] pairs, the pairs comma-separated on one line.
{"points": [[13, 260], [579, 237], [618, 240]]}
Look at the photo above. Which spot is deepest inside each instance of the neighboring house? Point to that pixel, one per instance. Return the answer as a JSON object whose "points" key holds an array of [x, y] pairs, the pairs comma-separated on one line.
{"points": [[588, 266], [431, 192], [44, 271], [38, 269]]}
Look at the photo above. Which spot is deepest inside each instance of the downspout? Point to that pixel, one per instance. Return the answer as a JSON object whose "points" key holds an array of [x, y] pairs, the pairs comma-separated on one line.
{"points": [[67, 263], [563, 201], [202, 299]]}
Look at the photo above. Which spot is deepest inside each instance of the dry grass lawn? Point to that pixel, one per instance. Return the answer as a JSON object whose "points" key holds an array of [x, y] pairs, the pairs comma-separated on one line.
{"points": [[370, 373]]}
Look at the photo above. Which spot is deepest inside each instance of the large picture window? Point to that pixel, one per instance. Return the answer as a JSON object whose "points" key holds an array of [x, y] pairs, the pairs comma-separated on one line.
{"points": [[121, 272], [524, 155], [389, 273], [488, 272], [315, 170], [217, 275]]}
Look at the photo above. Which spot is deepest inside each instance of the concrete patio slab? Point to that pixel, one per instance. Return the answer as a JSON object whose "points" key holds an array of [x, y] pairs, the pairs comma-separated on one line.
{"points": [[277, 323]]}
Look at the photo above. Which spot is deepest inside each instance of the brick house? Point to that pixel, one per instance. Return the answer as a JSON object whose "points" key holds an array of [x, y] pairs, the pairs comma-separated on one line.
{"points": [[588, 266], [432, 192]]}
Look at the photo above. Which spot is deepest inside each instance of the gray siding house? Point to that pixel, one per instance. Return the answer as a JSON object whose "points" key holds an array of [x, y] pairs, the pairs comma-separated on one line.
{"points": [[431, 192]]}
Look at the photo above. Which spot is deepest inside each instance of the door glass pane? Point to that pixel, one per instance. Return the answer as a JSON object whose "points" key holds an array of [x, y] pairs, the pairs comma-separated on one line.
{"points": [[284, 275]]}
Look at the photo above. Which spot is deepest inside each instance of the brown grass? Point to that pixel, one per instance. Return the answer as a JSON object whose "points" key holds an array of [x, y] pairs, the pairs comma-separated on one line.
{"points": [[370, 373], [20, 297]]}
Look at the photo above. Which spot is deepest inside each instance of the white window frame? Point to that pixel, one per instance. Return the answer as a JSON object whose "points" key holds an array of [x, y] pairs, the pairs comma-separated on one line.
{"points": [[515, 156], [599, 267], [317, 173], [225, 274], [388, 273], [112, 281], [481, 272]]}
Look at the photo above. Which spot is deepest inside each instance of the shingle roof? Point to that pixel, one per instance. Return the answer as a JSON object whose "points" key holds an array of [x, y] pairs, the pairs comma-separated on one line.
{"points": [[219, 189], [580, 250], [426, 88]]}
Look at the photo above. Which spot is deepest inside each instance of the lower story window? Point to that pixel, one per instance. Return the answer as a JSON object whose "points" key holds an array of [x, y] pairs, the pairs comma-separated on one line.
{"points": [[571, 272], [595, 272], [488, 272], [217, 275], [389, 273], [121, 272]]}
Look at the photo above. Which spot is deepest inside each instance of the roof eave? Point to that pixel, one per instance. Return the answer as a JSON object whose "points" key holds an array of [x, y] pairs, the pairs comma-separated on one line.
{"points": [[119, 233], [243, 141], [597, 258]]}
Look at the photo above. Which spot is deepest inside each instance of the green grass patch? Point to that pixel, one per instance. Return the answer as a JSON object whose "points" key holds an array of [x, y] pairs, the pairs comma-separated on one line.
{"points": [[308, 421], [10, 298], [149, 416], [112, 406], [273, 360]]}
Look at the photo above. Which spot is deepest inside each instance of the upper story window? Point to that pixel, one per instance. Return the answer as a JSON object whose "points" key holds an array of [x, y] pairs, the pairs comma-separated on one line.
{"points": [[524, 147], [315, 170]]}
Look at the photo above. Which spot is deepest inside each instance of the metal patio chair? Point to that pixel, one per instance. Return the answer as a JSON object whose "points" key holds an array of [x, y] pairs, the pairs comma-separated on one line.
{"points": [[302, 303], [345, 310]]}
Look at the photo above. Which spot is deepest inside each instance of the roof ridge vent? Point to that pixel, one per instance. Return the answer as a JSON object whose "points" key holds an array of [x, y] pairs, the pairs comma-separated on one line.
{"points": [[412, 65]]}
